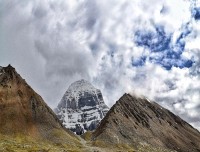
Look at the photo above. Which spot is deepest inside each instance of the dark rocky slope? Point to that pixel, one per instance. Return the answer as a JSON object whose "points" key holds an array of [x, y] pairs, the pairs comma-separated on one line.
{"points": [[136, 121]]}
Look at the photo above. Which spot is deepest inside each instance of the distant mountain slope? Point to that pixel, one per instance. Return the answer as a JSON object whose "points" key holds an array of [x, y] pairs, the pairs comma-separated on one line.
{"points": [[135, 121], [23, 112], [82, 107]]}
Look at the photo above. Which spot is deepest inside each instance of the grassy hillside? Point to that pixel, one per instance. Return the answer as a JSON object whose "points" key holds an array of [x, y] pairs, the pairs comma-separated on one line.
{"points": [[20, 143]]}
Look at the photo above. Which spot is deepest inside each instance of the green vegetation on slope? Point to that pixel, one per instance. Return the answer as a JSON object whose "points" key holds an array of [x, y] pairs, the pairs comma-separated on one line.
{"points": [[21, 143]]}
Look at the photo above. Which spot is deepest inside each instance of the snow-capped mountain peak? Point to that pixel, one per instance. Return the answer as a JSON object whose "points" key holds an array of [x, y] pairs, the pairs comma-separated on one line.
{"points": [[82, 107]]}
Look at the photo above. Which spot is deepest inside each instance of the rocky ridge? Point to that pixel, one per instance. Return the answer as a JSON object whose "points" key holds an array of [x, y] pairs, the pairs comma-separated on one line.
{"points": [[134, 121]]}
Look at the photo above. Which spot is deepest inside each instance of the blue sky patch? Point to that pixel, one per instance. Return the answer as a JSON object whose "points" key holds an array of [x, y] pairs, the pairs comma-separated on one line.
{"points": [[139, 62], [196, 13], [156, 40], [162, 50]]}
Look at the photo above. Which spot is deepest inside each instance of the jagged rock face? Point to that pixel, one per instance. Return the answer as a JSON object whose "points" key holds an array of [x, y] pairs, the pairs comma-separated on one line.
{"points": [[82, 106], [135, 121], [23, 111]]}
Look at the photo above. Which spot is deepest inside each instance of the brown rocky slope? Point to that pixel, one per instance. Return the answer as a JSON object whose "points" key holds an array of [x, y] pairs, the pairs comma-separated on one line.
{"points": [[135, 121], [23, 113]]}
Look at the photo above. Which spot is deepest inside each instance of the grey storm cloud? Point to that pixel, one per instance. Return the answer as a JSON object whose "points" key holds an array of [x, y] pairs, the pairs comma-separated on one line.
{"points": [[54, 43]]}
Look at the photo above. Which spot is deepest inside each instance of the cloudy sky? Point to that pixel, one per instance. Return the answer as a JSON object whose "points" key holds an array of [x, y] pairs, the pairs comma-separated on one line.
{"points": [[147, 47]]}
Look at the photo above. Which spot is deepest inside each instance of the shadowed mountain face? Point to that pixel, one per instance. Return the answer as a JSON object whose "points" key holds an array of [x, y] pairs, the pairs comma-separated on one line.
{"points": [[23, 111], [136, 121]]}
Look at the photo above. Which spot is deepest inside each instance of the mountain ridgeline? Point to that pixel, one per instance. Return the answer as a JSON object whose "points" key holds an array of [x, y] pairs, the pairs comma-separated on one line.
{"points": [[136, 121], [133, 124]]}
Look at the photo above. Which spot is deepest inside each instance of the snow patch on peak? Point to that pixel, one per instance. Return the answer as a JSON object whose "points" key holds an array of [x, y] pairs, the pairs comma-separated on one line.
{"points": [[81, 85], [77, 90]]}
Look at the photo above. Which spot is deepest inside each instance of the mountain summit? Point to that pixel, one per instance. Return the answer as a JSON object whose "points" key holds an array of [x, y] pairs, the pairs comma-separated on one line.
{"points": [[24, 115], [136, 122], [82, 107]]}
